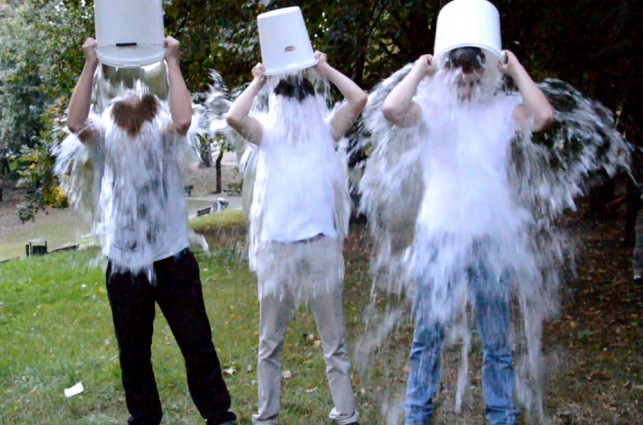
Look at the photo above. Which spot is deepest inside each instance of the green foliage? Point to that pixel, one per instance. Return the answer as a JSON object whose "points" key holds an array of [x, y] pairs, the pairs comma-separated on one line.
{"points": [[39, 62], [215, 35], [591, 44], [35, 169]]}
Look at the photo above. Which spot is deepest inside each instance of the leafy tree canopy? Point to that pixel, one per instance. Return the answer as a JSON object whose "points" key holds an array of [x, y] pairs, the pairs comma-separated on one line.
{"points": [[592, 44]]}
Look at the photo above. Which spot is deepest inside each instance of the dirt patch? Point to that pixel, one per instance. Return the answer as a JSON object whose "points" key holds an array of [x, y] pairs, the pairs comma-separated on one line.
{"points": [[59, 227], [203, 180]]}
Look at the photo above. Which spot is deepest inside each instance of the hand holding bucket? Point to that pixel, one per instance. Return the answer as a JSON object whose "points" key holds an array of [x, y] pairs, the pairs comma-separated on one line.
{"points": [[425, 63], [171, 48], [89, 48], [258, 73], [508, 63]]}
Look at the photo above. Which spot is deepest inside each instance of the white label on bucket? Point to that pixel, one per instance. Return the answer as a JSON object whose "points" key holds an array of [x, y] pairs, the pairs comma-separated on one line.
{"points": [[75, 390]]}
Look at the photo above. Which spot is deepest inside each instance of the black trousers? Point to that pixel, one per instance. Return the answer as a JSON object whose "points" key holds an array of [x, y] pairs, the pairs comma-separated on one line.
{"points": [[179, 294]]}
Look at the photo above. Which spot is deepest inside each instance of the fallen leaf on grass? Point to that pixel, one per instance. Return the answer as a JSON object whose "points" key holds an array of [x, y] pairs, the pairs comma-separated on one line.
{"points": [[598, 375]]}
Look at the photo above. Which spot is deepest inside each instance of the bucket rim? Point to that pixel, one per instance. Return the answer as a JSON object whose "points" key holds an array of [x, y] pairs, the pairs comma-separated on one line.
{"points": [[278, 12], [290, 68], [440, 56], [130, 62]]}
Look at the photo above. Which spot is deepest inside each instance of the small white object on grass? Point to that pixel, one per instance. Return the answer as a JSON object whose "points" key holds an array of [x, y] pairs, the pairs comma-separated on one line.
{"points": [[75, 390], [229, 371]]}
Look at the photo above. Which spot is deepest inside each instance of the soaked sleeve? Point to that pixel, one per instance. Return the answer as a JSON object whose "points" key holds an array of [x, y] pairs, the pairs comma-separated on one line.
{"points": [[427, 104], [184, 148], [80, 166], [508, 104], [262, 117], [92, 134]]}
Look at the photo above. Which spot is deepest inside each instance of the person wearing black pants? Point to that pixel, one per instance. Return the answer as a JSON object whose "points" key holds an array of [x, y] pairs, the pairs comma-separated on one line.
{"points": [[179, 295], [142, 224]]}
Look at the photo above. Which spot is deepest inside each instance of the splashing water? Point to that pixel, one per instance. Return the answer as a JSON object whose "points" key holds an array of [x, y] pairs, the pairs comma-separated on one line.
{"points": [[130, 188], [462, 209], [297, 151]]}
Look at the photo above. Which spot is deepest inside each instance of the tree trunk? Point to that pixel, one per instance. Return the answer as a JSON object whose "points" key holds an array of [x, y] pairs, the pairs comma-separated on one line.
{"points": [[207, 158], [217, 167]]}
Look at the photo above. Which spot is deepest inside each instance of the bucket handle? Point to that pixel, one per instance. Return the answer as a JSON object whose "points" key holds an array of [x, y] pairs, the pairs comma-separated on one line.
{"points": [[131, 44]]}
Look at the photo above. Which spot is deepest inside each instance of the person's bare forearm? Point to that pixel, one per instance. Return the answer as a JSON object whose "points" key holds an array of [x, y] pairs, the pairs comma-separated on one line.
{"points": [[344, 117], [398, 107], [536, 109], [180, 100], [240, 108], [81, 98], [238, 116], [353, 94], [400, 98]]}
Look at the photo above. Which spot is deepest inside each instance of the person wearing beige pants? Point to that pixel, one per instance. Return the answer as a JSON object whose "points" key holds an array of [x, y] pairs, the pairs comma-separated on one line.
{"points": [[290, 272], [298, 219]]}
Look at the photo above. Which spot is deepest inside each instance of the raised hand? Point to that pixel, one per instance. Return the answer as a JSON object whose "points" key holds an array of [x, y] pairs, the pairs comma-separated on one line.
{"points": [[171, 48], [89, 48], [258, 73], [322, 63], [425, 65]]}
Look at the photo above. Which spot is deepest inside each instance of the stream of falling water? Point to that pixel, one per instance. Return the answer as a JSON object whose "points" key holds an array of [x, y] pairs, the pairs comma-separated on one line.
{"points": [[458, 219]]}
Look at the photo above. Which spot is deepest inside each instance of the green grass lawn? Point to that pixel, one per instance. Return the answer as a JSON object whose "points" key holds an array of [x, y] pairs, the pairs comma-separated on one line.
{"points": [[56, 330]]}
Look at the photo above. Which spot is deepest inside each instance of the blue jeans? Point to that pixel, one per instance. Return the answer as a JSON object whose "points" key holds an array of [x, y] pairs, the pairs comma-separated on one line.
{"points": [[493, 318]]}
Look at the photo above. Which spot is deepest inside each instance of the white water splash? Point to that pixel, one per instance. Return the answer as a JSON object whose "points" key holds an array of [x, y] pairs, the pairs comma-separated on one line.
{"points": [[498, 203], [130, 189], [298, 150]]}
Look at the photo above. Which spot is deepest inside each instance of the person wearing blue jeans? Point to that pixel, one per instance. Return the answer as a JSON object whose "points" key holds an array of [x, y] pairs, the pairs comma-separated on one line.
{"points": [[493, 315], [468, 224]]}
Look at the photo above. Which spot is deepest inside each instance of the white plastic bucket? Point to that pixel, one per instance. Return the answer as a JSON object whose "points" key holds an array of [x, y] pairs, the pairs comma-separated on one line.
{"points": [[470, 23], [285, 45], [129, 33]]}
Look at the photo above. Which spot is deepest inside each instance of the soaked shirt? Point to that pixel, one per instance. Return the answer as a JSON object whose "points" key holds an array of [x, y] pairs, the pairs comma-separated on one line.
{"points": [[297, 172], [465, 161], [141, 214]]}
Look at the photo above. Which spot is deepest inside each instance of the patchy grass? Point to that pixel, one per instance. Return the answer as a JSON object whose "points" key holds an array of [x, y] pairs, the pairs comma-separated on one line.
{"points": [[56, 330]]}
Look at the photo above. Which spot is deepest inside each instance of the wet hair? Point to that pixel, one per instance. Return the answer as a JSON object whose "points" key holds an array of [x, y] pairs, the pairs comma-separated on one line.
{"points": [[469, 59], [131, 117], [295, 87]]}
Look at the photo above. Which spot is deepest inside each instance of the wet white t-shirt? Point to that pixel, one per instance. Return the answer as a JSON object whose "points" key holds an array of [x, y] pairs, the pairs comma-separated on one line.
{"points": [[141, 214], [466, 155], [296, 170]]}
